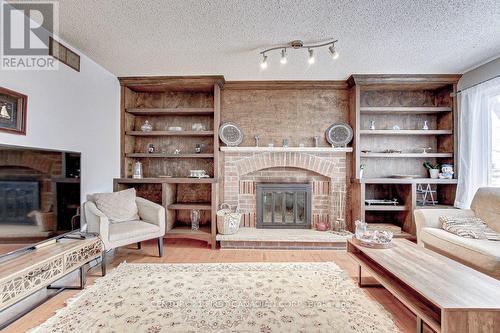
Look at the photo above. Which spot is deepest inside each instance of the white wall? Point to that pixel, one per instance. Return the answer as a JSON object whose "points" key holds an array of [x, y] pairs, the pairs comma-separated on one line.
{"points": [[70, 110], [480, 74]]}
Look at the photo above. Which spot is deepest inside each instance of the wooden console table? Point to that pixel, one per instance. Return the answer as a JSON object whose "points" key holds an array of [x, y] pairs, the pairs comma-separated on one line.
{"points": [[446, 295], [38, 269]]}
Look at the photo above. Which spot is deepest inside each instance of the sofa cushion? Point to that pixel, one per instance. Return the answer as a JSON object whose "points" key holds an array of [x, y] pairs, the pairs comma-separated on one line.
{"points": [[468, 227], [479, 253], [119, 231], [117, 206], [486, 205]]}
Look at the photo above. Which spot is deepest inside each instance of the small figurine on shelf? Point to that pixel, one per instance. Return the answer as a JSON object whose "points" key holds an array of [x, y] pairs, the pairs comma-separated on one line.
{"points": [[446, 171], [137, 170], [316, 141], [426, 126], [151, 148], [198, 147], [372, 125], [177, 151], [146, 127], [285, 143], [396, 127], [198, 127]]}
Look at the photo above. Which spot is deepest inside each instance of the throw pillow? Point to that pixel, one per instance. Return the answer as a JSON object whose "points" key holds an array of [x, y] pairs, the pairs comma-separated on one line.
{"points": [[468, 227], [118, 206]]}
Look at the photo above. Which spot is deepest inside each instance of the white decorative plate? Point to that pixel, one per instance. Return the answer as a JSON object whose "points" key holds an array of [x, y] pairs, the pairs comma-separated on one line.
{"points": [[230, 134], [339, 134]]}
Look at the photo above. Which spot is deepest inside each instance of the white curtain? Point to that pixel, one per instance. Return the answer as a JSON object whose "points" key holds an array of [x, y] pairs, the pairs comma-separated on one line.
{"points": [[474, 140]]}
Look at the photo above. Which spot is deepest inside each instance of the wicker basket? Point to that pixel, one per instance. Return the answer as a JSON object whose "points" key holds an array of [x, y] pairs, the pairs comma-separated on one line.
{"points": [[228, 222]]}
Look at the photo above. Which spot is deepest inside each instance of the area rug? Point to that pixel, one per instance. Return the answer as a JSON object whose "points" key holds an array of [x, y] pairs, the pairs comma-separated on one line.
{"points": [[246, 297]]}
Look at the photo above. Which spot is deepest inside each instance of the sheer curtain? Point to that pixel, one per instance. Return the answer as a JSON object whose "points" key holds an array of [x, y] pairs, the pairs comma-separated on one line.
{"points": [[475, 139]]}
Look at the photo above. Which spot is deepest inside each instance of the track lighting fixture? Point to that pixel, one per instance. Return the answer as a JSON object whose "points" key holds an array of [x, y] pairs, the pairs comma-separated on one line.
{"points": [[263, 64], [333, 52], [298, 44], [283, 56], [311, 56]]}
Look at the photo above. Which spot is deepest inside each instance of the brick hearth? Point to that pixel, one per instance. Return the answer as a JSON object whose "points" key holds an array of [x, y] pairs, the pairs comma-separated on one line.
{"points": [[324, 168]]}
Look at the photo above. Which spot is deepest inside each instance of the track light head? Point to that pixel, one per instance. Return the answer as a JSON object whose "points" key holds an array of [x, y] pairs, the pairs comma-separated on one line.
{"points": [[283, 56], [263, 64], [333, 52], [311, 56]]}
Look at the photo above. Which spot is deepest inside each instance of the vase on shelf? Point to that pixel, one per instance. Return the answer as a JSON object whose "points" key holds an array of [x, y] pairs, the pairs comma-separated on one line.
{"points": [[195, 219], [426, 125], [137, 170]]}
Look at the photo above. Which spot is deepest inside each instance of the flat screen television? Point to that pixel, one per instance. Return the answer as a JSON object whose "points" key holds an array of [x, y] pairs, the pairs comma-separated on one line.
{"points": [[39, 196]]}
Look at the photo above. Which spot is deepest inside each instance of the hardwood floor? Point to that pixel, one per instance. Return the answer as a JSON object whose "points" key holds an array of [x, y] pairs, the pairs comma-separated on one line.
{"points": [[190, 251]]}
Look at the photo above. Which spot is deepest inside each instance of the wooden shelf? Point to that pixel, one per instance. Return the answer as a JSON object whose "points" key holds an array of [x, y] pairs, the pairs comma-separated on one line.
{"points": [[405, 181], [170, 111], [404, 109], [386, 208], [202, 234], [189, 206], [170, 133], [437, 206], [406, 132], [159, 155], [161, 180], [406, 155]]}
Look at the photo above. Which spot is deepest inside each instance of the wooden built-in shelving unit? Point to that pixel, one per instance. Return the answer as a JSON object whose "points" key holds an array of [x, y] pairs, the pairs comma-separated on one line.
{"points": [[403, 102], [173, 102]]}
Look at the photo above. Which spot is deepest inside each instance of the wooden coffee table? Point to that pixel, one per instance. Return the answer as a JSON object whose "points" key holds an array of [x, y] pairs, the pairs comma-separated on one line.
{"points": [[446, 295]]}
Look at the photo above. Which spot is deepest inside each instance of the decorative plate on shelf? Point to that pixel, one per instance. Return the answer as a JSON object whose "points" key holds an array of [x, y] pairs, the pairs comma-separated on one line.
{"points": [[339, 134], [230, 134]]}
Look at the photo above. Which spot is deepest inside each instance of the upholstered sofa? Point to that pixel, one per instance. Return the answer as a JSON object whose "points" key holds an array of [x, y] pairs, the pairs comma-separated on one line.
{"points": [[482, 255]]}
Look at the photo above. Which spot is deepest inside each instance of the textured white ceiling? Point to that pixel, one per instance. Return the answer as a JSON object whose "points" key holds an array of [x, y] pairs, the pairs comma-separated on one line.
{"points": [[194, 37]]}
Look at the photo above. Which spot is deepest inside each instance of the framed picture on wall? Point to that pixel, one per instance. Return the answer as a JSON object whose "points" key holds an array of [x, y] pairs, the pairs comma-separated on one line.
{"points": [[13, 107]]}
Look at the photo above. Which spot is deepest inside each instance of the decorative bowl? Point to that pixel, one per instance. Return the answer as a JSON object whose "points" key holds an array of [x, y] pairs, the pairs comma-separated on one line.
{"points": [[197, 173]]}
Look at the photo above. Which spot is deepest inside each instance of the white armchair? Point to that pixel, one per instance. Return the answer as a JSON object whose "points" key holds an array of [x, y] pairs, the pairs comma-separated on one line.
{"points": [[115, 234]]}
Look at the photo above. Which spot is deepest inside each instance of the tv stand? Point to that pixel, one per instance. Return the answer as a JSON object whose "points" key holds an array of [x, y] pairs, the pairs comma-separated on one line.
{"points": [[39, 268]]}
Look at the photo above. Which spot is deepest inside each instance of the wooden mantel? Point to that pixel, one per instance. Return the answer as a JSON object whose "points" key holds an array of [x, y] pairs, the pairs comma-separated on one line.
{"points": [[285, 149]]}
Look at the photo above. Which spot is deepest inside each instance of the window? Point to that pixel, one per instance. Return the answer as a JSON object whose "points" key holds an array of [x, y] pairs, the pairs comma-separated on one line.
{"points": [[494, 109]]}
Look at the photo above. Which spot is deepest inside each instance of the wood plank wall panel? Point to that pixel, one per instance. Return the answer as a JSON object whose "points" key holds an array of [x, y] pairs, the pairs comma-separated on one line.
{"points": [[171, 99], [296, 114]]}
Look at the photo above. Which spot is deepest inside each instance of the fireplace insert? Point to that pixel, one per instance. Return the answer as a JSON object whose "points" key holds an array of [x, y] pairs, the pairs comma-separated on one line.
{"points": [[284, 206], [39, 196]]}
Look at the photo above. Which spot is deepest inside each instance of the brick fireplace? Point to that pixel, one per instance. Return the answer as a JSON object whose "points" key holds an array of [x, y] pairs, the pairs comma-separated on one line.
{"points": [[324, 169]]}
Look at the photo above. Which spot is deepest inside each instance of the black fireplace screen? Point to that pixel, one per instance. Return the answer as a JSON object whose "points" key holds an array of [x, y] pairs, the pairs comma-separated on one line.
{"points": [[283, 206]]}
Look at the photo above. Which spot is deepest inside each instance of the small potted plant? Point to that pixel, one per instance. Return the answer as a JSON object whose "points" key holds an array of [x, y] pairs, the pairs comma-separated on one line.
{"points": [[433, 169]]}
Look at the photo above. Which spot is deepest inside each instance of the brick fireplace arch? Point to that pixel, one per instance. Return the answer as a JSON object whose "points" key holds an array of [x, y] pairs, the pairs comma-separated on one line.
{"points": [[326, 171], [323, 166]]}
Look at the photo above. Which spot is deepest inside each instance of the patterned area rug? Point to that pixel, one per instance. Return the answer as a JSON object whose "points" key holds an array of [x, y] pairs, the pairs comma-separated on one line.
{"points": [[254, 297]]}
